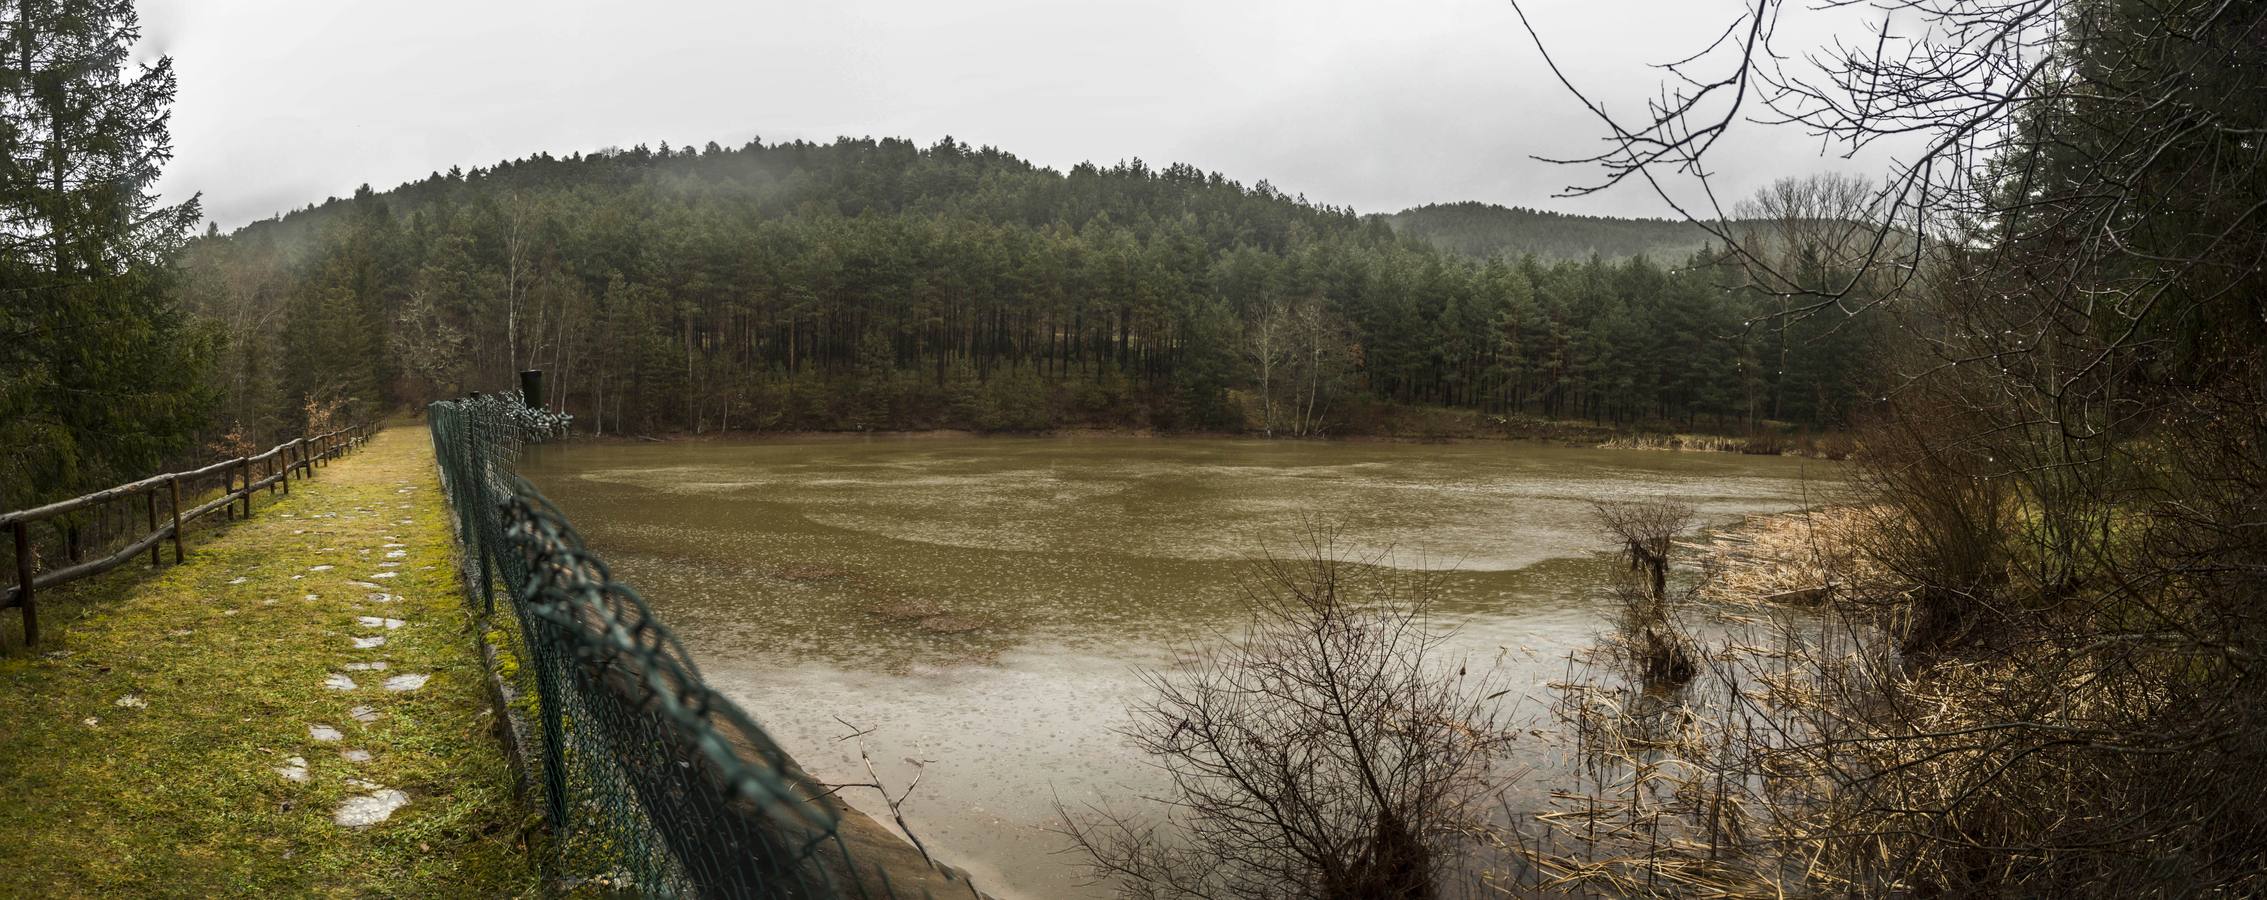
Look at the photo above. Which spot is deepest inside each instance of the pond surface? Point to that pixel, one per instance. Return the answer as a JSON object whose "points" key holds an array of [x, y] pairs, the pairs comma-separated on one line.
{"points": [[985, 604]]}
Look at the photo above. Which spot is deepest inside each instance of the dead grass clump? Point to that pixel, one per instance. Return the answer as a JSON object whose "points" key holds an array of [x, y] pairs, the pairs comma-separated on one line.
{"points": [[1765, 443], [1806, 556]]}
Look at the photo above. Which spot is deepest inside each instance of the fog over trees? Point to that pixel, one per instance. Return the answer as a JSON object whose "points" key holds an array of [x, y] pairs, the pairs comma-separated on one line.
{"points": [[1486, 230], [868, 284]]}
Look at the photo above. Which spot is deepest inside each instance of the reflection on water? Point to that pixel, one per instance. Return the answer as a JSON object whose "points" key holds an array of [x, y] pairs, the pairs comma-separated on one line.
{"points": [[984, 603]]}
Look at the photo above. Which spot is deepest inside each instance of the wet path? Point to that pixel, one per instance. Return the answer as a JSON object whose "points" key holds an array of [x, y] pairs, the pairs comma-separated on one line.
{"points": [[295, 711]]}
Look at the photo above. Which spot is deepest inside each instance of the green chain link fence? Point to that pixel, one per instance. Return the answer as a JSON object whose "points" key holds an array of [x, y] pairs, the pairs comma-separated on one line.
{"points": [[653, 783]]}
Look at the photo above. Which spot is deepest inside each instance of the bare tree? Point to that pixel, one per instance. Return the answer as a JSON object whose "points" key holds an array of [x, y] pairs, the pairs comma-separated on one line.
{"points": [[1320, 347], [517, 246], [1333, 751], [1827, 216], [1268, 345], [1800, 235]]}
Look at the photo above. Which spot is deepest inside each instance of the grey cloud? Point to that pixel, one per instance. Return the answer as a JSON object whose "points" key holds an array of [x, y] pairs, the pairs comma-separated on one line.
{"points": [[1374, 105]]}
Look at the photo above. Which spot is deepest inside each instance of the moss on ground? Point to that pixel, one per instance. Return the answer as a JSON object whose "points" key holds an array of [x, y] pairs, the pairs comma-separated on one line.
{"points": [[180, 796]]}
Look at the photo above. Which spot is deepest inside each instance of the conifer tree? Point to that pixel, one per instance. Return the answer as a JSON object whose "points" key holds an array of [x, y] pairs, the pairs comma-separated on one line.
{"points": [[101, 376]]}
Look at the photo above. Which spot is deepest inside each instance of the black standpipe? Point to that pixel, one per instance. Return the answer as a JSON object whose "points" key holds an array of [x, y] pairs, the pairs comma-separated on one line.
{"points": [[531, 388]]}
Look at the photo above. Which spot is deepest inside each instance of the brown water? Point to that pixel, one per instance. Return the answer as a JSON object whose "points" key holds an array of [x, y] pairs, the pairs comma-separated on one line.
{"points": [[984, 604]]}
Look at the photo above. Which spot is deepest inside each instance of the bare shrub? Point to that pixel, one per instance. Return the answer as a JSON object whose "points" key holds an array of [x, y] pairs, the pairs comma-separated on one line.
{"points": [[1331, 751], [1941, 516], [236, 442], [324, 414], [1647, 530]]}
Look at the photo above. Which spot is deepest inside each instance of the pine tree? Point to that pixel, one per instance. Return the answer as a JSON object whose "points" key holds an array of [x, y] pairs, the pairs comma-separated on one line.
{"points": [[101, 376]]}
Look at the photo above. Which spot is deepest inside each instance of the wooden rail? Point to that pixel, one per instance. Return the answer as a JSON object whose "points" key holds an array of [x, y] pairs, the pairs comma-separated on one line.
{"points": [[275, 469]]}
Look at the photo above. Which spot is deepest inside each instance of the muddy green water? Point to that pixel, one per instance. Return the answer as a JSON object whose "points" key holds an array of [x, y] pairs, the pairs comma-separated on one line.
{"points": [[984, 604]]}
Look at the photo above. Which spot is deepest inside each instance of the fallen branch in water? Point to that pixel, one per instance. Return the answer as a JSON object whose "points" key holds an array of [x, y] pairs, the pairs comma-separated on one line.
{"points": [[874, 781]]}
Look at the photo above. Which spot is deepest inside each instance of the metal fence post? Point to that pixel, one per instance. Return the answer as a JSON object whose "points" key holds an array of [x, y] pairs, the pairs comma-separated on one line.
{"points": [[479, 535]]}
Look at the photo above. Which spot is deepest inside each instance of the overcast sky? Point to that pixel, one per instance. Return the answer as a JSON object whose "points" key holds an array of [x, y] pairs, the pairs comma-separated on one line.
{"points": [[1379, 105]]}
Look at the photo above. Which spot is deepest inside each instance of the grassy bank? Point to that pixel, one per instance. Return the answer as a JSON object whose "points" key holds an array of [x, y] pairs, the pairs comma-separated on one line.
{"points": [[173, 736]]}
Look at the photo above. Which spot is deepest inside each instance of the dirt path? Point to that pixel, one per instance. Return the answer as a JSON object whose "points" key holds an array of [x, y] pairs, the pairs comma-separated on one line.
{"points": [[295, 711]]}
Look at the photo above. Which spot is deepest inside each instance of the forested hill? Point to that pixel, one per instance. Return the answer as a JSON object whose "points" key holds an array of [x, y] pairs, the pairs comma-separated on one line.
{"points": [[1486, 230], [879, 284]]}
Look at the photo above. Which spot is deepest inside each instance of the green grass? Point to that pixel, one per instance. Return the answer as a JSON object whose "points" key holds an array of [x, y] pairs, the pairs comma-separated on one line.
{"points": [[182, 797]]}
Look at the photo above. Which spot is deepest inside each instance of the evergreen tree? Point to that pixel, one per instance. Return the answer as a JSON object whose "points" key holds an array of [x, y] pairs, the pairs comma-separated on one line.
{"points": [[101, 374]]}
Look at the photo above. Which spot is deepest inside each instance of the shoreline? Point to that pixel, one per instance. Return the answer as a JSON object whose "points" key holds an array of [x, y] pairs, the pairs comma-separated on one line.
{"points": [[1831, 446]]}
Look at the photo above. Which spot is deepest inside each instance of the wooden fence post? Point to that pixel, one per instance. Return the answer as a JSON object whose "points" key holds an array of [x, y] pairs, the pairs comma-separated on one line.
{"points": [[23, 583], [173, 487], [101, 517], [149, 499]]}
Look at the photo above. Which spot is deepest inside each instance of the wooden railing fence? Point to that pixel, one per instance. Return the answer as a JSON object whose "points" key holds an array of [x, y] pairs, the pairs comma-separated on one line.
{"points": [[237, 479]]}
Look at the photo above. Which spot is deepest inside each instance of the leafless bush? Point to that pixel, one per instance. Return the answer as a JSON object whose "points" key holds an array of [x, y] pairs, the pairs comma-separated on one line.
{"points": [[1644, 528], [1646, 531], [233, 443], [1940, 521], [324, 414], [1332, 751]]}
